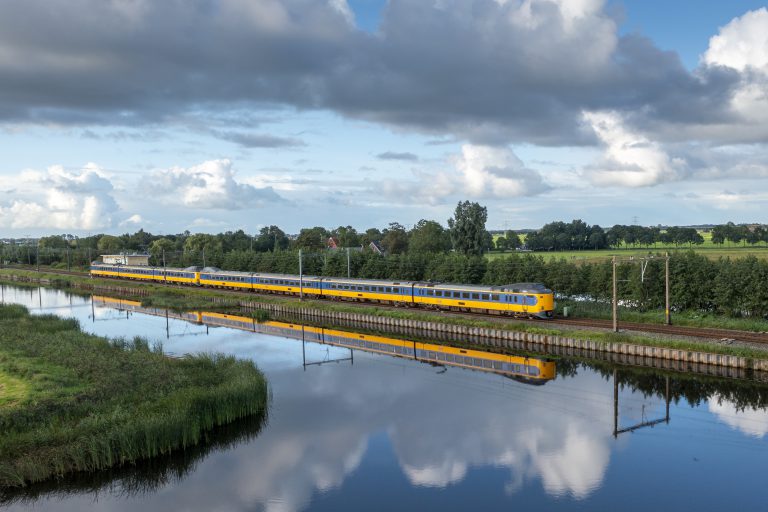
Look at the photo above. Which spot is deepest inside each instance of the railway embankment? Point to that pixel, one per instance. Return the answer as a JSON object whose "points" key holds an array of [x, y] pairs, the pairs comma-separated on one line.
{"points": [[629, 347], [73, 402]]}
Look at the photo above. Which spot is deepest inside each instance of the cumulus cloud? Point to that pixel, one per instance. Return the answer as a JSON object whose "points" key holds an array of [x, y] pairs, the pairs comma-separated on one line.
{"points": [[741, 47], [629, 158], [60, 199], [497, 172], [209, 185], [480, 172], [742, 44]]}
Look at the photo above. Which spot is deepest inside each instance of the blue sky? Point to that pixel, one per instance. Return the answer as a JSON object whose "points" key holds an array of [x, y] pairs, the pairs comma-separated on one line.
{"points": [[228, 114]]}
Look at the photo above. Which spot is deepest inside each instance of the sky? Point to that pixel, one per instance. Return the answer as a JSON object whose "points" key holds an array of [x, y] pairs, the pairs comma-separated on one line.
{"points": [[216, 115]]}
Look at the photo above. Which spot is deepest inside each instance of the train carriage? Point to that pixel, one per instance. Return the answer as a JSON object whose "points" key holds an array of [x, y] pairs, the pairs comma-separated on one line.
{"points": [[286, 283], [211, 276], [124, 272], [369, 290], [190, 275]]}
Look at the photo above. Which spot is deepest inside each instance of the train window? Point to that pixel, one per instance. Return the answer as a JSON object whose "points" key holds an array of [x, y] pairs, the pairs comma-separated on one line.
{"points": [[465, 295], [389, 289], [475, 296], [430, 293], [485, 296]]}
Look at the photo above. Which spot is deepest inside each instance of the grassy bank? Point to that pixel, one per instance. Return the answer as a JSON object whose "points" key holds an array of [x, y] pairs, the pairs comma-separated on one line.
{"points": [[587, 309], [83, 403]]}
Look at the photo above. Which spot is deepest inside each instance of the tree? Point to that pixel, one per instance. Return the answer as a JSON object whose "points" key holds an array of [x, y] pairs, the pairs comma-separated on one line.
{"points": [[159, 248], [467, 228], [235, 241], [271, 238], [203, 242], [313, 239], [347, 236], [395, 238], [138, 241], [53, 242], [428, 236], [370, 235], [109, 243], [513, 240]]}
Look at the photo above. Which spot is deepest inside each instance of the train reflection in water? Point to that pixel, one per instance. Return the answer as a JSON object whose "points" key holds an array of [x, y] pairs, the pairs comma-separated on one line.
{"points": [[524, 369]]}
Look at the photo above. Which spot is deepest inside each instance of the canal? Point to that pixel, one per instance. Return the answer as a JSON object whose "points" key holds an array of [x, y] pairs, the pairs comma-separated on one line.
{"points": [[350, 429]]}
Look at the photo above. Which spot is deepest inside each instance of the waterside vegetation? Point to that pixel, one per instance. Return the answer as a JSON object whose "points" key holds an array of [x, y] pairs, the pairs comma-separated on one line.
{"points": [[84, 403]]}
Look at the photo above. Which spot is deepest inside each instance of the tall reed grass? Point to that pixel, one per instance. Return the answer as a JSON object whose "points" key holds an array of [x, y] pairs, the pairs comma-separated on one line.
{"points": [[94, 404]]}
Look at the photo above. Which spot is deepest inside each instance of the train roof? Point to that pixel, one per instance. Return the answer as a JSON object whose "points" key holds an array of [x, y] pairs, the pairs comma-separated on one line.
{"points": [[371, 282], [525, 287], [283, 276], [516, 287]]}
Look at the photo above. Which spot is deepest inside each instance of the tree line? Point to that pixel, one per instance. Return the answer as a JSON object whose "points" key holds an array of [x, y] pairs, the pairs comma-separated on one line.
{"points": [[579, 236]]}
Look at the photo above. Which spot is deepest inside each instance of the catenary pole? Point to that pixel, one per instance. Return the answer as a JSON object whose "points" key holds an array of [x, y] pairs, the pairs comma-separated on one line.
{"points": [[667, 317], [301, 278], [615, 299]]}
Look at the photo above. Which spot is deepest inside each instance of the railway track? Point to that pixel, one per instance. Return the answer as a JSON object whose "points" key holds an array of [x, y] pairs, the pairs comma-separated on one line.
{"points": [[696, 332], [699, 332]]}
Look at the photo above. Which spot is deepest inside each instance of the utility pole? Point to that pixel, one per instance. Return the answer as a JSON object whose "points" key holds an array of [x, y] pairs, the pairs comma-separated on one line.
{"points": [[349, 272], [301, 281], [69, 267], [615, 299], [37, 256], [203, 257], [165, 273], [667, 318]]}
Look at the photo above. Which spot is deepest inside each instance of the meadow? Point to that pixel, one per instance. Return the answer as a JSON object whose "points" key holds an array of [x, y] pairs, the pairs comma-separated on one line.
{"points": [[710, 250]]}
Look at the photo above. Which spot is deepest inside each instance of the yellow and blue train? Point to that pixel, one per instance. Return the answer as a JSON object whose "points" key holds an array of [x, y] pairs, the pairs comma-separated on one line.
{"points": [[528, 370], [532, 300]]}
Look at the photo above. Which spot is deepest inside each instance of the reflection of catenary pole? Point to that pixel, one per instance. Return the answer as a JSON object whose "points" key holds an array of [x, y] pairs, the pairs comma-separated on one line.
{"points": [[651, 423]]}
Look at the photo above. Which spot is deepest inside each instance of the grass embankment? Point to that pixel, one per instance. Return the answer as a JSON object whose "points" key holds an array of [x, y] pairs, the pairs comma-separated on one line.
{"points": [[84, 403], [585, 309], [190, 298]]}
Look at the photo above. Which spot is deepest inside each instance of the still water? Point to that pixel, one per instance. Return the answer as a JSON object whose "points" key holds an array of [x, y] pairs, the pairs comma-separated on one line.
{"points": [[379, 432]]}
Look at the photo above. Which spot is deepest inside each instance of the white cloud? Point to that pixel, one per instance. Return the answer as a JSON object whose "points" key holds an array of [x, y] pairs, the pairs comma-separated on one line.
{"points": [[59, 199], [753, 422], [209, 185], [496, 172], [629, 159], [742, 44], [133, 220]]}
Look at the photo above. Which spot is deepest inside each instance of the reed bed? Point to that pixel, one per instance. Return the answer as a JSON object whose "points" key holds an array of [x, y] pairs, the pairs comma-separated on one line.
{"points": [[93, 404]]}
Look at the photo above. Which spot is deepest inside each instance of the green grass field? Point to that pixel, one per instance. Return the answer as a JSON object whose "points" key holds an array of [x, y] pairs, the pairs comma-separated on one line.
{"points": [[709, 249]]}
